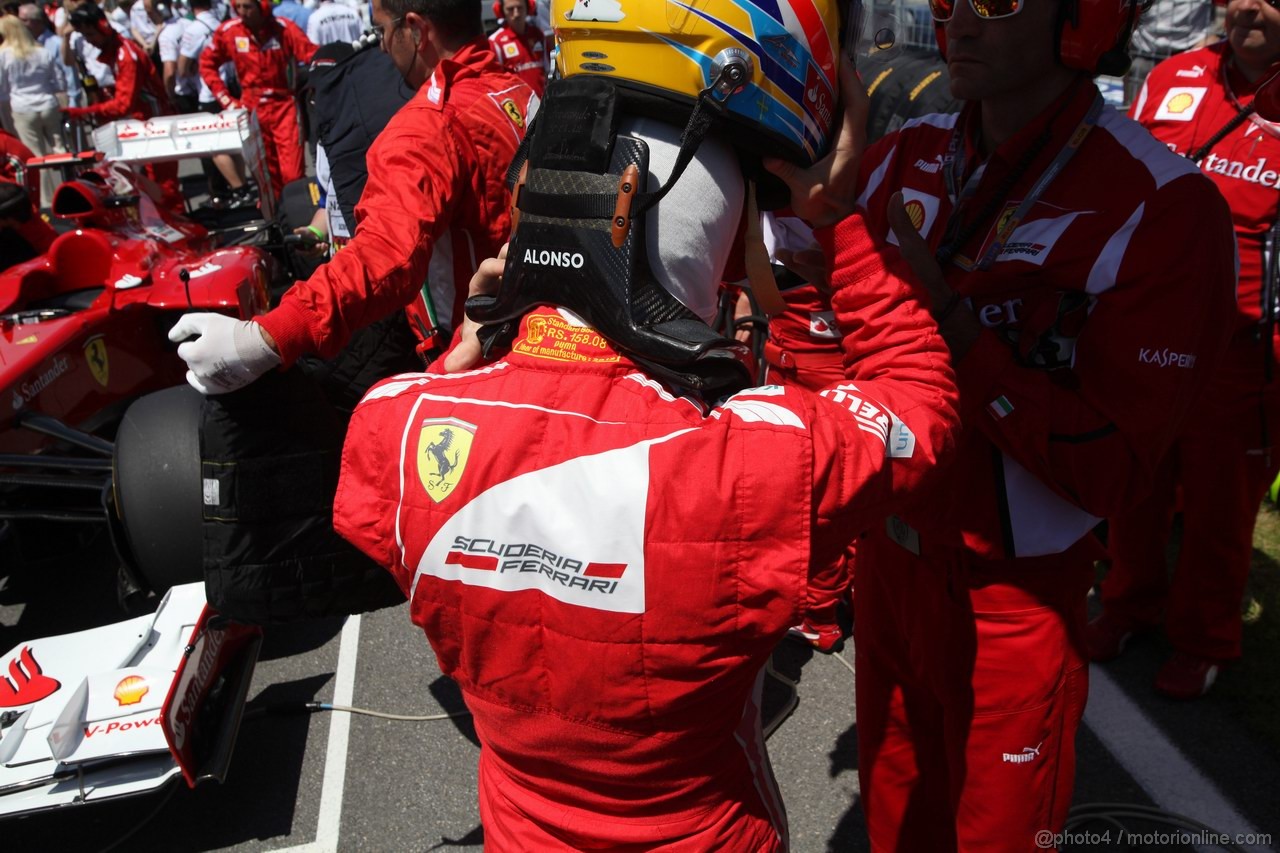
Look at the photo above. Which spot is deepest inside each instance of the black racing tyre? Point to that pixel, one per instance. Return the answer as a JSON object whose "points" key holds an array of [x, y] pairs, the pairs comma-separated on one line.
{"points": [[158, 486]]}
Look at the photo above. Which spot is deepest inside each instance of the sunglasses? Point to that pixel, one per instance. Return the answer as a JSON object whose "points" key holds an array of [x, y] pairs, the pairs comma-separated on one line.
{"points": [[382, 35], [988, 10]]}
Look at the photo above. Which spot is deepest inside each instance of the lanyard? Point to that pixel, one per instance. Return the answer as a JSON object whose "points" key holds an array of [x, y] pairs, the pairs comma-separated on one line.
{"points": [[960, 196], [1256, 120]]}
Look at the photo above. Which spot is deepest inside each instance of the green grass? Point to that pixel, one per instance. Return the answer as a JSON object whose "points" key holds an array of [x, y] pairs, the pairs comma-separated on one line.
{"points": [[1255, 681]]}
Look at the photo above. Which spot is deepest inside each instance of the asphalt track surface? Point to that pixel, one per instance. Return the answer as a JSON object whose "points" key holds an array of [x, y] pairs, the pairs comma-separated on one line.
{"points": [[331, 781]]}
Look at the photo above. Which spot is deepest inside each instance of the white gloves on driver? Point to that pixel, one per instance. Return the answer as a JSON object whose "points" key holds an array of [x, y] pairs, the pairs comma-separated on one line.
{"points": [[227, 355]]}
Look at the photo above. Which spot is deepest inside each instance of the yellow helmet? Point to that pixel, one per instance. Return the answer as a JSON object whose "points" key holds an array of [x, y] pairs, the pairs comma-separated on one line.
{"points": [[659, 51]]}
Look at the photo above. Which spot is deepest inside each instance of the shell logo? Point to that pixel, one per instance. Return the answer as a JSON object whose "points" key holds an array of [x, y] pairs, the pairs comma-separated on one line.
{"points": [[131, 689], [1180, 103], [915, 212]]}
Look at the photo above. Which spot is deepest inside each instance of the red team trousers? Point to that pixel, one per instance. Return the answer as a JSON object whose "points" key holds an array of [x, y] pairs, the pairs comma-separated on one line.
{"points": [[972, 680], [1224, 459], [278, 118]]}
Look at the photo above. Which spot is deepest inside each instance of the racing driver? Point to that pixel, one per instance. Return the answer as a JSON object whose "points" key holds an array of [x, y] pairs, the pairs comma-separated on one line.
{"points": [[591, 545]]}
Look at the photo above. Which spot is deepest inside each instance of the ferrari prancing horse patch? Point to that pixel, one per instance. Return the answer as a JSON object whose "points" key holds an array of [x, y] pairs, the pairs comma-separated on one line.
{"points": [[443, 448]]}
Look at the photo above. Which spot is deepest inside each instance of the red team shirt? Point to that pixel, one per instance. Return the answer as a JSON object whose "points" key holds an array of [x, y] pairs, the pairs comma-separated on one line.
{"points": [[137, 94], [1092, 286], [1184, 102], [436, 180], [524, 56]]}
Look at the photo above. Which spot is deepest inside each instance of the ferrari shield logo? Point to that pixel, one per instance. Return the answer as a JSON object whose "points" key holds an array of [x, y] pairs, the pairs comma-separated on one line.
{"points": [[95, 352], [1003, 222], [443, 447], [513, 112]]}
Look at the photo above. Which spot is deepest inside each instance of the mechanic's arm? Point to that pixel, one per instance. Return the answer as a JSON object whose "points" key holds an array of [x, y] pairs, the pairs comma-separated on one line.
{"points": [[1095, 432], [125, 89], [406, 206], [211, 59]]}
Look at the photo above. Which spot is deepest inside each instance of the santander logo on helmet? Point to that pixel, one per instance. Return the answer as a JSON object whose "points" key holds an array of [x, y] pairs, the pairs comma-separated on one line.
{"points": [[554, 258]]}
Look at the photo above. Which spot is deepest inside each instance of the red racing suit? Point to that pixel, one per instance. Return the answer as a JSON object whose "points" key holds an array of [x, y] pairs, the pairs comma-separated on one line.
{"points": [[1224, 460], [1098, 334], [436, 204], [803, 349], [524, 56], [137, 94], [607, 594], [266, 62]]}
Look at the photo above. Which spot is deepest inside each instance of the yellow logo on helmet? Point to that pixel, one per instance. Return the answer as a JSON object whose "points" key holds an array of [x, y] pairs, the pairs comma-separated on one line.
{"points": [[443, 449], [95, 353]]}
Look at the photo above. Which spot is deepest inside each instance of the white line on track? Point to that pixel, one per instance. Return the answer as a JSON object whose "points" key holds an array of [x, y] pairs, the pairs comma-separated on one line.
{"points": [[1172, 781], [329, 823]]}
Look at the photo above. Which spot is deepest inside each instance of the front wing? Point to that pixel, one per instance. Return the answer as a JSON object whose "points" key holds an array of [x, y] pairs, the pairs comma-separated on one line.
{"points": [[124, 708]]}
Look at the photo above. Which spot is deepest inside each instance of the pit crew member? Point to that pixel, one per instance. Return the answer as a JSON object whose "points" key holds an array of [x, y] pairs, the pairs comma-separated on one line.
{"points": [[434, 205], [138, 92], [266, 51], [1041, 223], [519, 45], [1228, 452]]}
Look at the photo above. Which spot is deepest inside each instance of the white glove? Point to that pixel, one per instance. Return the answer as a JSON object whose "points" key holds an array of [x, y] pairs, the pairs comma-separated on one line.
{"points": [[227, 355]]}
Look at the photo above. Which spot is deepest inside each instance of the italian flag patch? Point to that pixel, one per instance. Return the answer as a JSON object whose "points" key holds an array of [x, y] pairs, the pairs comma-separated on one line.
{"points": [[1000, 406]]}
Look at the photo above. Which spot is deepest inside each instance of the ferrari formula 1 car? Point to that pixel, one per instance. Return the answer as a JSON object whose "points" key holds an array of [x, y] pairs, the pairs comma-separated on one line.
{"points": [[82, 339]]}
